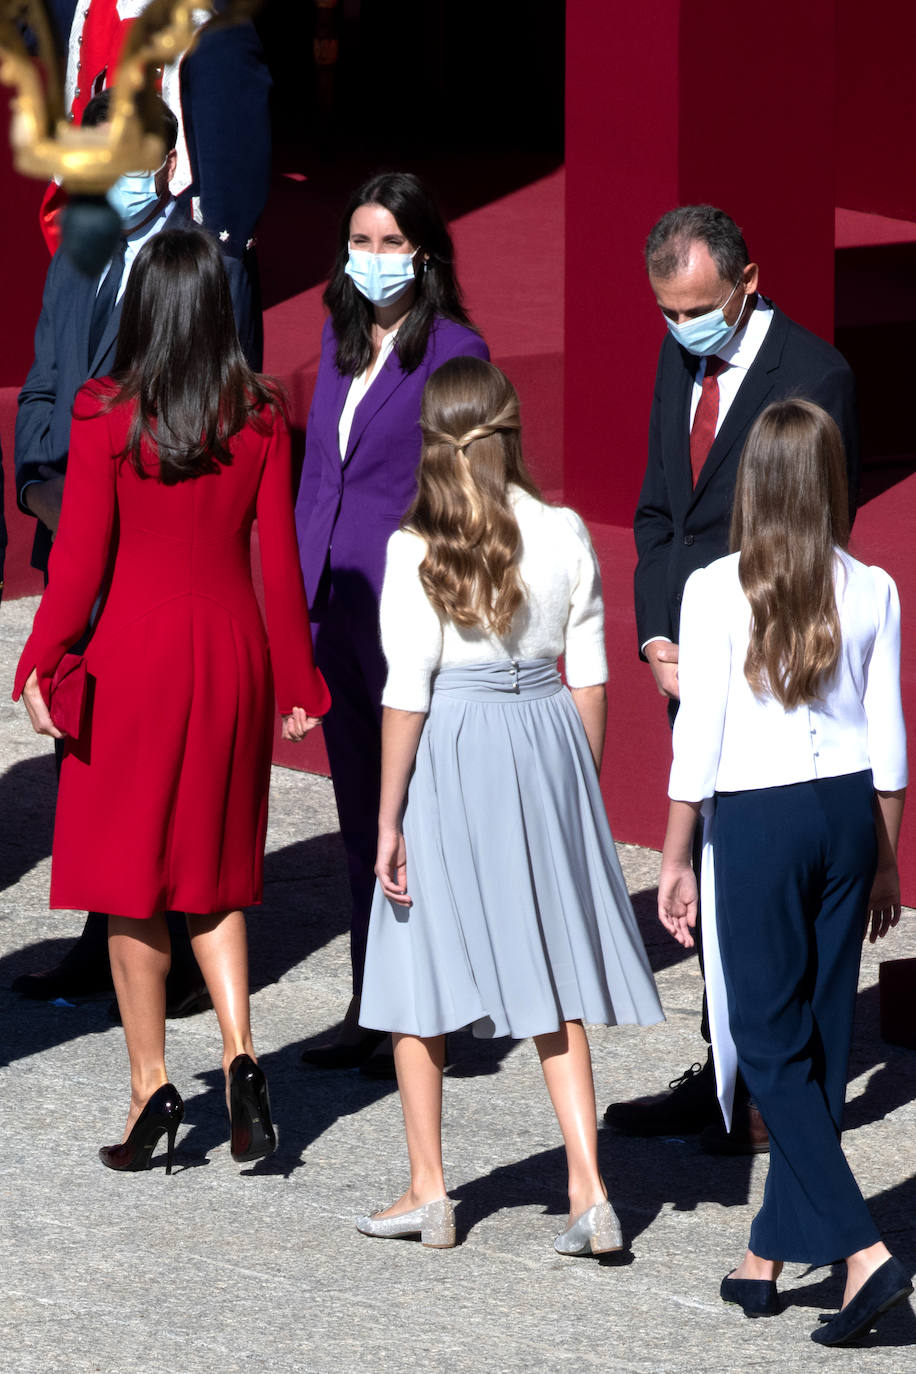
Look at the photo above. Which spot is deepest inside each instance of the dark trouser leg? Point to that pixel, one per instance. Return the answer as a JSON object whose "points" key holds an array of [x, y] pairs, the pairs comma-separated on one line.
{"points": [[794, 866], [351, 660]]}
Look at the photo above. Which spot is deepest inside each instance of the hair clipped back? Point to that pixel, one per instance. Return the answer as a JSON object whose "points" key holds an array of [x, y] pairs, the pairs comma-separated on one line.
{"points": [[790, 513], [471, 453]]}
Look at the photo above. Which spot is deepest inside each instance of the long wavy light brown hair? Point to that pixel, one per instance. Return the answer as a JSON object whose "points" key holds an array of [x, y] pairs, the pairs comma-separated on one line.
{"points": [[790, 514], [471, 453]]}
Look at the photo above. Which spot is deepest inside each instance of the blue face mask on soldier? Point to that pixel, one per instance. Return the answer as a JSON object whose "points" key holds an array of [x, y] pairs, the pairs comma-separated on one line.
{"points": [[134, 194], [380, 277], [707, 333]]}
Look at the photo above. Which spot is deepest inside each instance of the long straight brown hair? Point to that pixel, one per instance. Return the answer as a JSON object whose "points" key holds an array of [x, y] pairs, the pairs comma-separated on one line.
{"points": [[471, 453], [790, 514]]}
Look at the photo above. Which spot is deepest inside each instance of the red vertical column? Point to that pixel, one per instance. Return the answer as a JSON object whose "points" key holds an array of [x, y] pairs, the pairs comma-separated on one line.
{"points": [[621, 174], [676, 103]]}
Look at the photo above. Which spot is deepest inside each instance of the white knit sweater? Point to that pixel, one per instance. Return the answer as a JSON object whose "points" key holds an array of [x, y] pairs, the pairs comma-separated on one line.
{"points": [[563, 613]]}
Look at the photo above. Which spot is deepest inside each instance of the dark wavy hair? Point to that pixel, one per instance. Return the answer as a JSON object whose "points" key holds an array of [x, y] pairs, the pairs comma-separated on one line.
{"points": [[179, 360], [438, 293]]}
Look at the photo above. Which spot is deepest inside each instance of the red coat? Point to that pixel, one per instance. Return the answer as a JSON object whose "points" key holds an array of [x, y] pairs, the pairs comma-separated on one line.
{"points": [[163, 799]]}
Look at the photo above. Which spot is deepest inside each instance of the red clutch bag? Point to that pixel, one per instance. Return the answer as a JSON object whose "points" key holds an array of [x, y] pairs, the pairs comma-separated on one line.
{"points": [[67, 694]]}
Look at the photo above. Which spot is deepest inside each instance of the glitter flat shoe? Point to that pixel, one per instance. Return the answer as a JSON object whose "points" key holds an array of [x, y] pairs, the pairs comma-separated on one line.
{"points": [[595, 1232], [434, 1223]]}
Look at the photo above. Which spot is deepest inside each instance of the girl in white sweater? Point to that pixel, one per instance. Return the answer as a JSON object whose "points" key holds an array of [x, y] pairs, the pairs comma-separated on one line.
{"points": [[500, 903]]}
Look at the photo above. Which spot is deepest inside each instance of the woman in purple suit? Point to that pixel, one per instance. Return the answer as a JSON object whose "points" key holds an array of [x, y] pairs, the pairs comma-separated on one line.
{"points": [[395, 316]]}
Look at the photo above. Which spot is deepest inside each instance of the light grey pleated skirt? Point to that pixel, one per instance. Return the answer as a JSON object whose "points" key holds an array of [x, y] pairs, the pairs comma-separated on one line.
{"points": [[521, 918]]}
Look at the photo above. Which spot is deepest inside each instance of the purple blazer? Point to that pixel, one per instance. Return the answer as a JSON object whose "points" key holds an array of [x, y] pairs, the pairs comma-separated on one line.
{"points": [[347, 511]]}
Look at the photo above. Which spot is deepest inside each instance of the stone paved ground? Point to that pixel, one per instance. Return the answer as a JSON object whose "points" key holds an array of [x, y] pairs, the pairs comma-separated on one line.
{"points": [[218, 1270]]}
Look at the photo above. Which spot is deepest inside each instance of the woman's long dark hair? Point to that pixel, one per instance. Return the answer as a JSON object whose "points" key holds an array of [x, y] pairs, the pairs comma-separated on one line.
{"points": [[179, 360], [438, 292]]}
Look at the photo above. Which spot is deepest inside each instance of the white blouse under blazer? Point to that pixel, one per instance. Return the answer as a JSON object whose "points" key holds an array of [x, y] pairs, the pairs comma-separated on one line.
{"points": [[727, 740]]}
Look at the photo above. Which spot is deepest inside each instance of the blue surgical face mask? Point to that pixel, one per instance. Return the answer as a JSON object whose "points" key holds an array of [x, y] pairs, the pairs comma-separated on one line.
{"points": [[707, 333], [134, 195], [381, 277]]}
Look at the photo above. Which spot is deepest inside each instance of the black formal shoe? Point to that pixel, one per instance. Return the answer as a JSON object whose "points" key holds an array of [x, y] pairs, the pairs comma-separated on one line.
{"points": [[253, 1134], [380, 1063], [160, 1117], [755, 1297], [688, 1106], [68, 980], [888, 1285], [748, 1135], [344, 1056], [179, 1001]]}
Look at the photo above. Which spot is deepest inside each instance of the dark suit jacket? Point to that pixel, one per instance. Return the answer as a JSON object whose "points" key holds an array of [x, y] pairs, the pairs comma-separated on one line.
{"points": [[62, 364], [679, 529], [347, 511]]}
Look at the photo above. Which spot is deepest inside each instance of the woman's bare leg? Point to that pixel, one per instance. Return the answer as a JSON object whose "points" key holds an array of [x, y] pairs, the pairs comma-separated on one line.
{"points": [[140, 955], [567, 1064], [419, 1065], [220, 944]]}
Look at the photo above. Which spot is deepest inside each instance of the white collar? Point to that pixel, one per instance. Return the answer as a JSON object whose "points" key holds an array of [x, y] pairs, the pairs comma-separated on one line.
{"points": [[742, 349]]}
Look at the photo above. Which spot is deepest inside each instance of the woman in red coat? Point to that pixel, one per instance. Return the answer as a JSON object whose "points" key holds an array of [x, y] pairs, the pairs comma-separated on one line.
{"points": [[163, 791]]}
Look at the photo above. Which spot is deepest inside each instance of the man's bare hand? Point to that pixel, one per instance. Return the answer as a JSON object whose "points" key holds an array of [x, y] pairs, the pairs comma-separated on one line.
{"points": [[44, 498], [662, 656]]}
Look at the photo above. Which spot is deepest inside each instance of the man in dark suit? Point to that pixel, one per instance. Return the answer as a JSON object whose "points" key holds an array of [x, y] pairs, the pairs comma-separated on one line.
{"points": [[72, 344], [729, 352]]}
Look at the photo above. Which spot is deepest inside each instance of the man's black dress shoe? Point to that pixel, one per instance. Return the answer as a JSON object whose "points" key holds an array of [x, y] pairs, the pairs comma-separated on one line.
{"points": [[344, 1056], [748, 1135], [689, 1105], [380, 1063], [756, 1297], [888, 1285], [70, 981]]}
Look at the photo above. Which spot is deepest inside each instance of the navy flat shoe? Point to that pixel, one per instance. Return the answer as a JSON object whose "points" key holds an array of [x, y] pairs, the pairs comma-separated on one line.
{"points": [[756, 1297], [888, 1285]]}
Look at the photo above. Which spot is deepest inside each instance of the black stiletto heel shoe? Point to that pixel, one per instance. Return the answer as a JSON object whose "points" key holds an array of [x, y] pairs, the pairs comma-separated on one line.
{"points": [[253, 1134], [161, 1116]]}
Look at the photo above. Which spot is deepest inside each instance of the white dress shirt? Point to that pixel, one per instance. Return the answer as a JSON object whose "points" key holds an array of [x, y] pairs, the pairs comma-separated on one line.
{"points": [[739, 353], [727, 740], [563, 612], [135, 242]]}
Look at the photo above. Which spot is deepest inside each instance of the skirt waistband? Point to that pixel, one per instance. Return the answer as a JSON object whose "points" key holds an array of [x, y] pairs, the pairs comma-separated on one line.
{"points": [[507, 678]]}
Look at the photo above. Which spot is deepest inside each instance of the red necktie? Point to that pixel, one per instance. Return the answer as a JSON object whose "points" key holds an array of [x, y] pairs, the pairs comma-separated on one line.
{"points": [[703, 429]]}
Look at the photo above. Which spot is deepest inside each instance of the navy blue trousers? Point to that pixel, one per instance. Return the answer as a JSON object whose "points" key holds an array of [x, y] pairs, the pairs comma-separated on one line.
{"points": [[794, 867]]}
